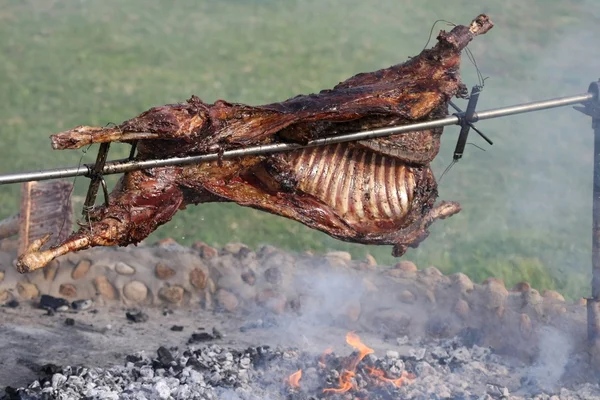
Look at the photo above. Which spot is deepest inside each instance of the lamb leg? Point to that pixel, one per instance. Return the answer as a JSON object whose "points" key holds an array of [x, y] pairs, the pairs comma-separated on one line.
{"points": [[164, 122], [34, 258], [139, 204]]}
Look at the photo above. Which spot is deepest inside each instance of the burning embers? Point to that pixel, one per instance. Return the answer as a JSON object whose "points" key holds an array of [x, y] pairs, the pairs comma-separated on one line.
{"points": [[294, 379], [356, 373]]}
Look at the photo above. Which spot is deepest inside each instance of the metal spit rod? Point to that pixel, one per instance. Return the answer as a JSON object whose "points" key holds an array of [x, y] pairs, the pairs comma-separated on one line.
{"points": [[125, 165]]}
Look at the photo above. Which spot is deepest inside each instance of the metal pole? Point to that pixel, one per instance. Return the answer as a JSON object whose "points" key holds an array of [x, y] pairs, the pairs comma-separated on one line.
{"points": [[593, 304], [534, 106], [125, 165]]}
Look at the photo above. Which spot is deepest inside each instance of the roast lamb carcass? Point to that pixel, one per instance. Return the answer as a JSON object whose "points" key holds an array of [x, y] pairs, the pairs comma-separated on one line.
{"points": [[379, 191]]}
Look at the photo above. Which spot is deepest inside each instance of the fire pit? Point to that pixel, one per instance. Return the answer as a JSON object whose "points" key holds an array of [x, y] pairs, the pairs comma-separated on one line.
{"points": [[205, 323]]}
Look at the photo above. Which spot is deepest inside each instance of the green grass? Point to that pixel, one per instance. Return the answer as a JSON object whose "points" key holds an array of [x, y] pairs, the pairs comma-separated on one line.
{"points": [[526, 200]]}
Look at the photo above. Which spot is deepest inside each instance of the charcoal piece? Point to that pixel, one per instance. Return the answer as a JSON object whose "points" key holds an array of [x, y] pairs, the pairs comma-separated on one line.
{"points": [[137, 316], [13, 394], [133, 358], [165, 358], [12, 304], [177, 328], [50, 369], [261, 355], [48, 302], [69, 322], [200, 337], [197, 364], [81, 305]]}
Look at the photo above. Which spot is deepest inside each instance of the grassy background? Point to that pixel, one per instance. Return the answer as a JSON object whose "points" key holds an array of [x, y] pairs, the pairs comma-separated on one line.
{"points": [[526, 200]]}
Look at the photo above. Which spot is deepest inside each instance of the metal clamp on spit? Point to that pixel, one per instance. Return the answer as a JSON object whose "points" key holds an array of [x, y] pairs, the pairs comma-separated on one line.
{"points": [[466, 121], [96, 175], [96, 179], [591, 108]]}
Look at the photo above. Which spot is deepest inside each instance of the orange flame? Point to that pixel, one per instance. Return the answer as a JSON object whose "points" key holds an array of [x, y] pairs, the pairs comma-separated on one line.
{"points": [[345, 380], [294, 379], [354, 340], [379, 374]]}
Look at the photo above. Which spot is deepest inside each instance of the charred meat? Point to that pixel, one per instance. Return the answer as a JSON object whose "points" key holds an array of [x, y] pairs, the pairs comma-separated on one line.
{"points": [[379, 191]]}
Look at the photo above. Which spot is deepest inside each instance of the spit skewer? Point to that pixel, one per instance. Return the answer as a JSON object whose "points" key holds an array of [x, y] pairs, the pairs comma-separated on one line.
{"points": [[127, 165]]}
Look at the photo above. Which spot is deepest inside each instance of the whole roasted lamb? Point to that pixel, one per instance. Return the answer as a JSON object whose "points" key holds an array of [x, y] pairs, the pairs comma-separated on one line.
{"points": [[380, 191]]}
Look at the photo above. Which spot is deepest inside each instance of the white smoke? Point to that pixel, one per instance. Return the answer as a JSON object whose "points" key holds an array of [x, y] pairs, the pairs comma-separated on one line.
{"points": [[555, 348]]}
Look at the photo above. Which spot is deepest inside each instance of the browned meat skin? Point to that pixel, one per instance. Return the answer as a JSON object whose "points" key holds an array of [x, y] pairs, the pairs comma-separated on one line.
{"points": [[379, 191]]}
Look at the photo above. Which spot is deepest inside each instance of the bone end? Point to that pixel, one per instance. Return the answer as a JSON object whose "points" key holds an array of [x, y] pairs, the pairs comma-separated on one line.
{"points": [[33, 258], [78, 137], [481, 25], [461, 36], [444, 210]]}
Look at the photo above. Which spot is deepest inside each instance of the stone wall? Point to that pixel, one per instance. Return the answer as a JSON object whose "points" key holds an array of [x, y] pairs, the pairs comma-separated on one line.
{"points": [[398, 299]]}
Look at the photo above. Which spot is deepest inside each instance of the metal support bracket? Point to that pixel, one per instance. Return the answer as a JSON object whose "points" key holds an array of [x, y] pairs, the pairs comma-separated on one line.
{"points": [[466, 122], [591, 108], [97, 179]]}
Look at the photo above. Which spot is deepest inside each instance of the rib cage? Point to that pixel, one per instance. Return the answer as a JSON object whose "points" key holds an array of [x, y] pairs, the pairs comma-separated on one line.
{"points": [[359, 184]]}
